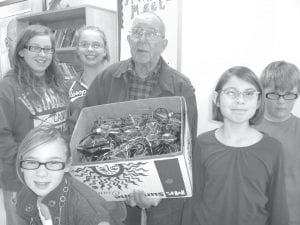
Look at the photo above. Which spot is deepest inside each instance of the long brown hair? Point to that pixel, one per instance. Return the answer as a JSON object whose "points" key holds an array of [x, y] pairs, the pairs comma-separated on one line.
{"points": [[54, 78]]}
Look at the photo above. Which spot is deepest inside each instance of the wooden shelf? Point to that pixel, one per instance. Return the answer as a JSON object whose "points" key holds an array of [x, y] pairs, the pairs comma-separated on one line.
{"points": [[75, 17]]}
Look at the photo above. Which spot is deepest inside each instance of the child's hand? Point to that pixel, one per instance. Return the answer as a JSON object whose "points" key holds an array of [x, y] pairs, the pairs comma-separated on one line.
{"points": [[138, 198]]}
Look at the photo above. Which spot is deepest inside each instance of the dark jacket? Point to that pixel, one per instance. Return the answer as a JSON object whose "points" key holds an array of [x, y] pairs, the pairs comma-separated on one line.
{"points": [[18, 115], [82, 206], [112, 86]]}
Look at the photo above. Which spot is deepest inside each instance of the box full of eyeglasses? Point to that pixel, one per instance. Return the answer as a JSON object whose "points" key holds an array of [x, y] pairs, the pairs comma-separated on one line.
{"points": [[135, 145]]}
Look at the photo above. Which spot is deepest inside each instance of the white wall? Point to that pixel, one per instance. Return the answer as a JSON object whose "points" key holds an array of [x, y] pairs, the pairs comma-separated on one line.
{"points": [[219, 34]]}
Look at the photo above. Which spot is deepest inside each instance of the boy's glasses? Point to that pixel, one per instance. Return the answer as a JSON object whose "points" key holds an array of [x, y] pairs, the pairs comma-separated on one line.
{"points": [[94, 45], [276, 96], [38, 49], [33, 165], [234, 94], [150, 34]]}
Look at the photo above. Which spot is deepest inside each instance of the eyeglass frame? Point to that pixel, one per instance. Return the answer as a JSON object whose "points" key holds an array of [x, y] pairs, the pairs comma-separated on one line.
{"points": [[145, 32], [283, 96], [63, 165], [239, 93], [101, 46], [39, 49]]}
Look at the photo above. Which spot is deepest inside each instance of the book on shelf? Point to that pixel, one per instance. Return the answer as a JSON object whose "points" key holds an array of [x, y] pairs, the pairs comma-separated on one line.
{"points": [[66, 42], [68, 70], [64, 37], [58, 36]]}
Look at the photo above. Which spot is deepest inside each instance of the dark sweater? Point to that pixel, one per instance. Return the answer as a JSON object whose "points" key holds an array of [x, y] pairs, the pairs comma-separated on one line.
{"points": [[82, 205], [18, 115]]}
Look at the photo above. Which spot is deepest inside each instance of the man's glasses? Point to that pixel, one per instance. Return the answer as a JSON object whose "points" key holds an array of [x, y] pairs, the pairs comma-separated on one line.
{"points": [[276, 96], [94, 45], [38, 49], [150, 34], [234, 94], [33, 165]]}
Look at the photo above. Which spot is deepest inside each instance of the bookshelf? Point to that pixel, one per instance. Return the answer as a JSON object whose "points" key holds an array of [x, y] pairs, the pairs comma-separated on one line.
{"points": [[65, 21]]}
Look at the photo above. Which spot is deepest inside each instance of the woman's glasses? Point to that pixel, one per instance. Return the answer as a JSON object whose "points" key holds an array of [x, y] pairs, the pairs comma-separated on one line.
{"points": [[94, 45], [234, 94], [38, 49], [33, 165]]}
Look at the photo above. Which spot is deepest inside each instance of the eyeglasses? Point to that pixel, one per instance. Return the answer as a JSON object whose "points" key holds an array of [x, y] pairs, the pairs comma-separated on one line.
{"points": [[38, 49], [94, 45], [150, 34], [33, 165], [276, 96], [234, 94]]}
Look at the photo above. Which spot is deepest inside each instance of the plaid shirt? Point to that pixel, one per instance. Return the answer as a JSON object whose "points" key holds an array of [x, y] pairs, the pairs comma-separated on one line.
{"points": [[141, 88]]}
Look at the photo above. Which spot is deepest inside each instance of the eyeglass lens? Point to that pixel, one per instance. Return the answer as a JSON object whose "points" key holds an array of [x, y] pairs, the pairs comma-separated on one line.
{"points": [[149, 33], [276, 96], [33, 165], [38, 49], [234, 94], [94, 45]]}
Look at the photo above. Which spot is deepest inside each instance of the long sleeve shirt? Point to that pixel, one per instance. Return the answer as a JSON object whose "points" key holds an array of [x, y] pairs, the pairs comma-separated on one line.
{"points": [[239, 185]]}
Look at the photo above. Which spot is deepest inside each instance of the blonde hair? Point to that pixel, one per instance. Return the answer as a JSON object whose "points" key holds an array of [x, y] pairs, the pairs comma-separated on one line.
{"points": [[38, 136], [281, 75], [101, 32]]}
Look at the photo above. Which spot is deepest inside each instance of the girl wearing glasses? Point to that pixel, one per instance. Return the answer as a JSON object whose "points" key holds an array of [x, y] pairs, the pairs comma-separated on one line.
{"points": [[238, 171], [281, 83], [50, 195], [93, 54], [32, 93]]}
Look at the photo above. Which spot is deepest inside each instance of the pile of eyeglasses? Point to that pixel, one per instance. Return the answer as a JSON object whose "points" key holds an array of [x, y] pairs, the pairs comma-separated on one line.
{"points": [[154, 133]]}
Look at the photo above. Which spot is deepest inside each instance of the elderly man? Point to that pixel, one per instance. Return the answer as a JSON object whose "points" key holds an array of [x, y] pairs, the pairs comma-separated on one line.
{"points": [[146, 75], [11, 36]]}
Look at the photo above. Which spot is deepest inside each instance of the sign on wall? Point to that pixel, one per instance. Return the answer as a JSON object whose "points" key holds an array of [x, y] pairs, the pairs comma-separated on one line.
{"points": [[170, 13]]}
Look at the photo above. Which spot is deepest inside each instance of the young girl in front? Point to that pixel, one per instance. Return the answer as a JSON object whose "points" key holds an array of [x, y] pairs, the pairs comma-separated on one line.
{"points": [[50, 195], [238, 171]]}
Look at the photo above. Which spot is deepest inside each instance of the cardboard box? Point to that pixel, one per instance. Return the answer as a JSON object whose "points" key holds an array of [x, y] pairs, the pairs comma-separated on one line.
{"points": [[163, 176]]}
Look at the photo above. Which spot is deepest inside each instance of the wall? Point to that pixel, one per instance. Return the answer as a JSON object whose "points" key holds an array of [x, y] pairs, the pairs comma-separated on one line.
{"points": [[220, 34]]}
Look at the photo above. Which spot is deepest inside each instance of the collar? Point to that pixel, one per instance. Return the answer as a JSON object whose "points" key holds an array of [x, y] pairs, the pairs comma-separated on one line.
{"points": [[154, 74], [165, 78], [28, 203]]}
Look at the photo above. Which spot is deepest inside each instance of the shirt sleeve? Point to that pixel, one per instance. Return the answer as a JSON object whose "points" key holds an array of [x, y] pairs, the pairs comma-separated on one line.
{"points": [[191, 207], [8, 145], [192, 117], [277, 204], [89, 213]]}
